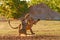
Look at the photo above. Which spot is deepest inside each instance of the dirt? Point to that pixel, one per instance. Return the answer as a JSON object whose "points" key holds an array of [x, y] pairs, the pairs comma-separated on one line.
{"points": [[29, 37]]}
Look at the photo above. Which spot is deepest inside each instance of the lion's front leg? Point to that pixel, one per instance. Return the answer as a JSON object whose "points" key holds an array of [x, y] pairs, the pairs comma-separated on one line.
{"points": [[31, 31]]}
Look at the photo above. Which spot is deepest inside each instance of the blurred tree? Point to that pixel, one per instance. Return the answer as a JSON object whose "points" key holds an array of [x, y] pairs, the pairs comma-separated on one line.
{"points": [[54, 4], [18, 8], [13, 8]]}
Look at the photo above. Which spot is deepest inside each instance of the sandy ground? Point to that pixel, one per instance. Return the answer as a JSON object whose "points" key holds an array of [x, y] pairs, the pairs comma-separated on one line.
{"points": [[42, 27], [44, 30]]}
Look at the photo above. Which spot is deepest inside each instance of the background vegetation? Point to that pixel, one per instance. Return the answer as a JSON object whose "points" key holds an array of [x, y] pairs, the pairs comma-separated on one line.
{"points": [[13, 8], [17, 8], [53, 4]]}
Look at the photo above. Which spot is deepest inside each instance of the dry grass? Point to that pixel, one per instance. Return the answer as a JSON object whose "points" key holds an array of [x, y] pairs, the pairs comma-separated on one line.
{"points": [[43, 27]]}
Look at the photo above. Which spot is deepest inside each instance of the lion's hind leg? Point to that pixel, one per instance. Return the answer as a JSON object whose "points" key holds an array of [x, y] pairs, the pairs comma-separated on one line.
{"points": [[22, 31]]}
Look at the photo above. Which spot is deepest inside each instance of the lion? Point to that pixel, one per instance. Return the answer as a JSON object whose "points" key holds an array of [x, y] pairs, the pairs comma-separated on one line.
{"points": [[29, 25]]}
